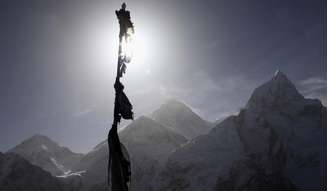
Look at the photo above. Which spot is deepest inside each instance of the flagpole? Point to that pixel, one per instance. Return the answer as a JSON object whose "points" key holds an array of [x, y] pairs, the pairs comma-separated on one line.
{"points": [[116, 178], [119, 173]]}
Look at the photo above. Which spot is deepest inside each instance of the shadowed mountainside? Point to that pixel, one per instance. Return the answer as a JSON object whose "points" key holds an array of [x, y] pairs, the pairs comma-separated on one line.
{"points": [[43, 152], [277, 142], [17, 174]]}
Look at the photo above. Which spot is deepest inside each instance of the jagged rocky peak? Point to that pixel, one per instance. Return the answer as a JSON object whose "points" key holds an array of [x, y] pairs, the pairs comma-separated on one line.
{"points": [[274, 93]]}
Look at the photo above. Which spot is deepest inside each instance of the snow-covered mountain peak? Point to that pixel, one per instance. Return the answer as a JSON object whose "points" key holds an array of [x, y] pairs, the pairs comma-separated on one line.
{"points": [[37, 142], [279, 73], [280, 78], [275, 93], [173, 105], [44, 152], [178, 116], [276, 143]]}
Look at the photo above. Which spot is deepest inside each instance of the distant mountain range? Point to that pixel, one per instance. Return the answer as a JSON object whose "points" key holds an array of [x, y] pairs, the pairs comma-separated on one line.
{"points": [[277, 142]]}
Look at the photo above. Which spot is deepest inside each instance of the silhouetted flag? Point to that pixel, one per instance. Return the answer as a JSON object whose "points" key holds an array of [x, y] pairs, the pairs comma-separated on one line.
{"points": [[124, 107], [119, 168]]}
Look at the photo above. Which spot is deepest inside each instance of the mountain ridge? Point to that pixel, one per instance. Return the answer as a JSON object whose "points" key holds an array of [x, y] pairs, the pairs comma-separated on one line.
{"points": [[40, 150], [263, 144], [149, 144], [176, 115], [273, 143]]}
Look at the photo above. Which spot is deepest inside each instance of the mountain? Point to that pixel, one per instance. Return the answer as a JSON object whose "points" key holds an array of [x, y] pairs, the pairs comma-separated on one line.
{"points": [[17, 174], [94, 164], [277, 142], [149, 144], [47, 154], [196, 165], [182, 119], [146, 137]]}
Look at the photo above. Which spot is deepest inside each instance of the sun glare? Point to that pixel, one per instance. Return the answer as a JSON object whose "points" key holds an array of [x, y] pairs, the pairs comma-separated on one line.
{"points": [[102, 46], [142, 50]]}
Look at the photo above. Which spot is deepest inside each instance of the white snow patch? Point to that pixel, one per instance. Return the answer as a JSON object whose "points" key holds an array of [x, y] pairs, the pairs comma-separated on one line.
{"points": [[79, 173], [60, 166], [276, 73], [44, 147]]}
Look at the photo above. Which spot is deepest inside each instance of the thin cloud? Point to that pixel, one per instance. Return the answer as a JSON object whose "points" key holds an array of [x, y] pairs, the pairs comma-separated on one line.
{"points": [[83, 112], [314, 87]]}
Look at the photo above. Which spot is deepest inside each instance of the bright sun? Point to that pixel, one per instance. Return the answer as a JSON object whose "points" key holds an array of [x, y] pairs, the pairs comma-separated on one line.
{"points": [[143, 51], [102, 46]]}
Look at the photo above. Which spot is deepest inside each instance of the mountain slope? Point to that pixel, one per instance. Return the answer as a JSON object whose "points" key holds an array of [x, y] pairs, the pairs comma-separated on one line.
{"points": [[147, 137], [276, 143], [45, 153], [196, 165], [149, 145], [182, 119], [17, 174], [94, 164]]}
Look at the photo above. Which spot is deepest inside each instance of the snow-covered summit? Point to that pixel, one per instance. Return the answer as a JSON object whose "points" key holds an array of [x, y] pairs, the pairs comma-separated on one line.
{"points": [[37, 141], [275, 93], [178, 116]]}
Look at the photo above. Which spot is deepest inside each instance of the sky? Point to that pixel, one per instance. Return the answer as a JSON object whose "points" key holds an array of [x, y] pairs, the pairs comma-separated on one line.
{"points": [[58, 60]]}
